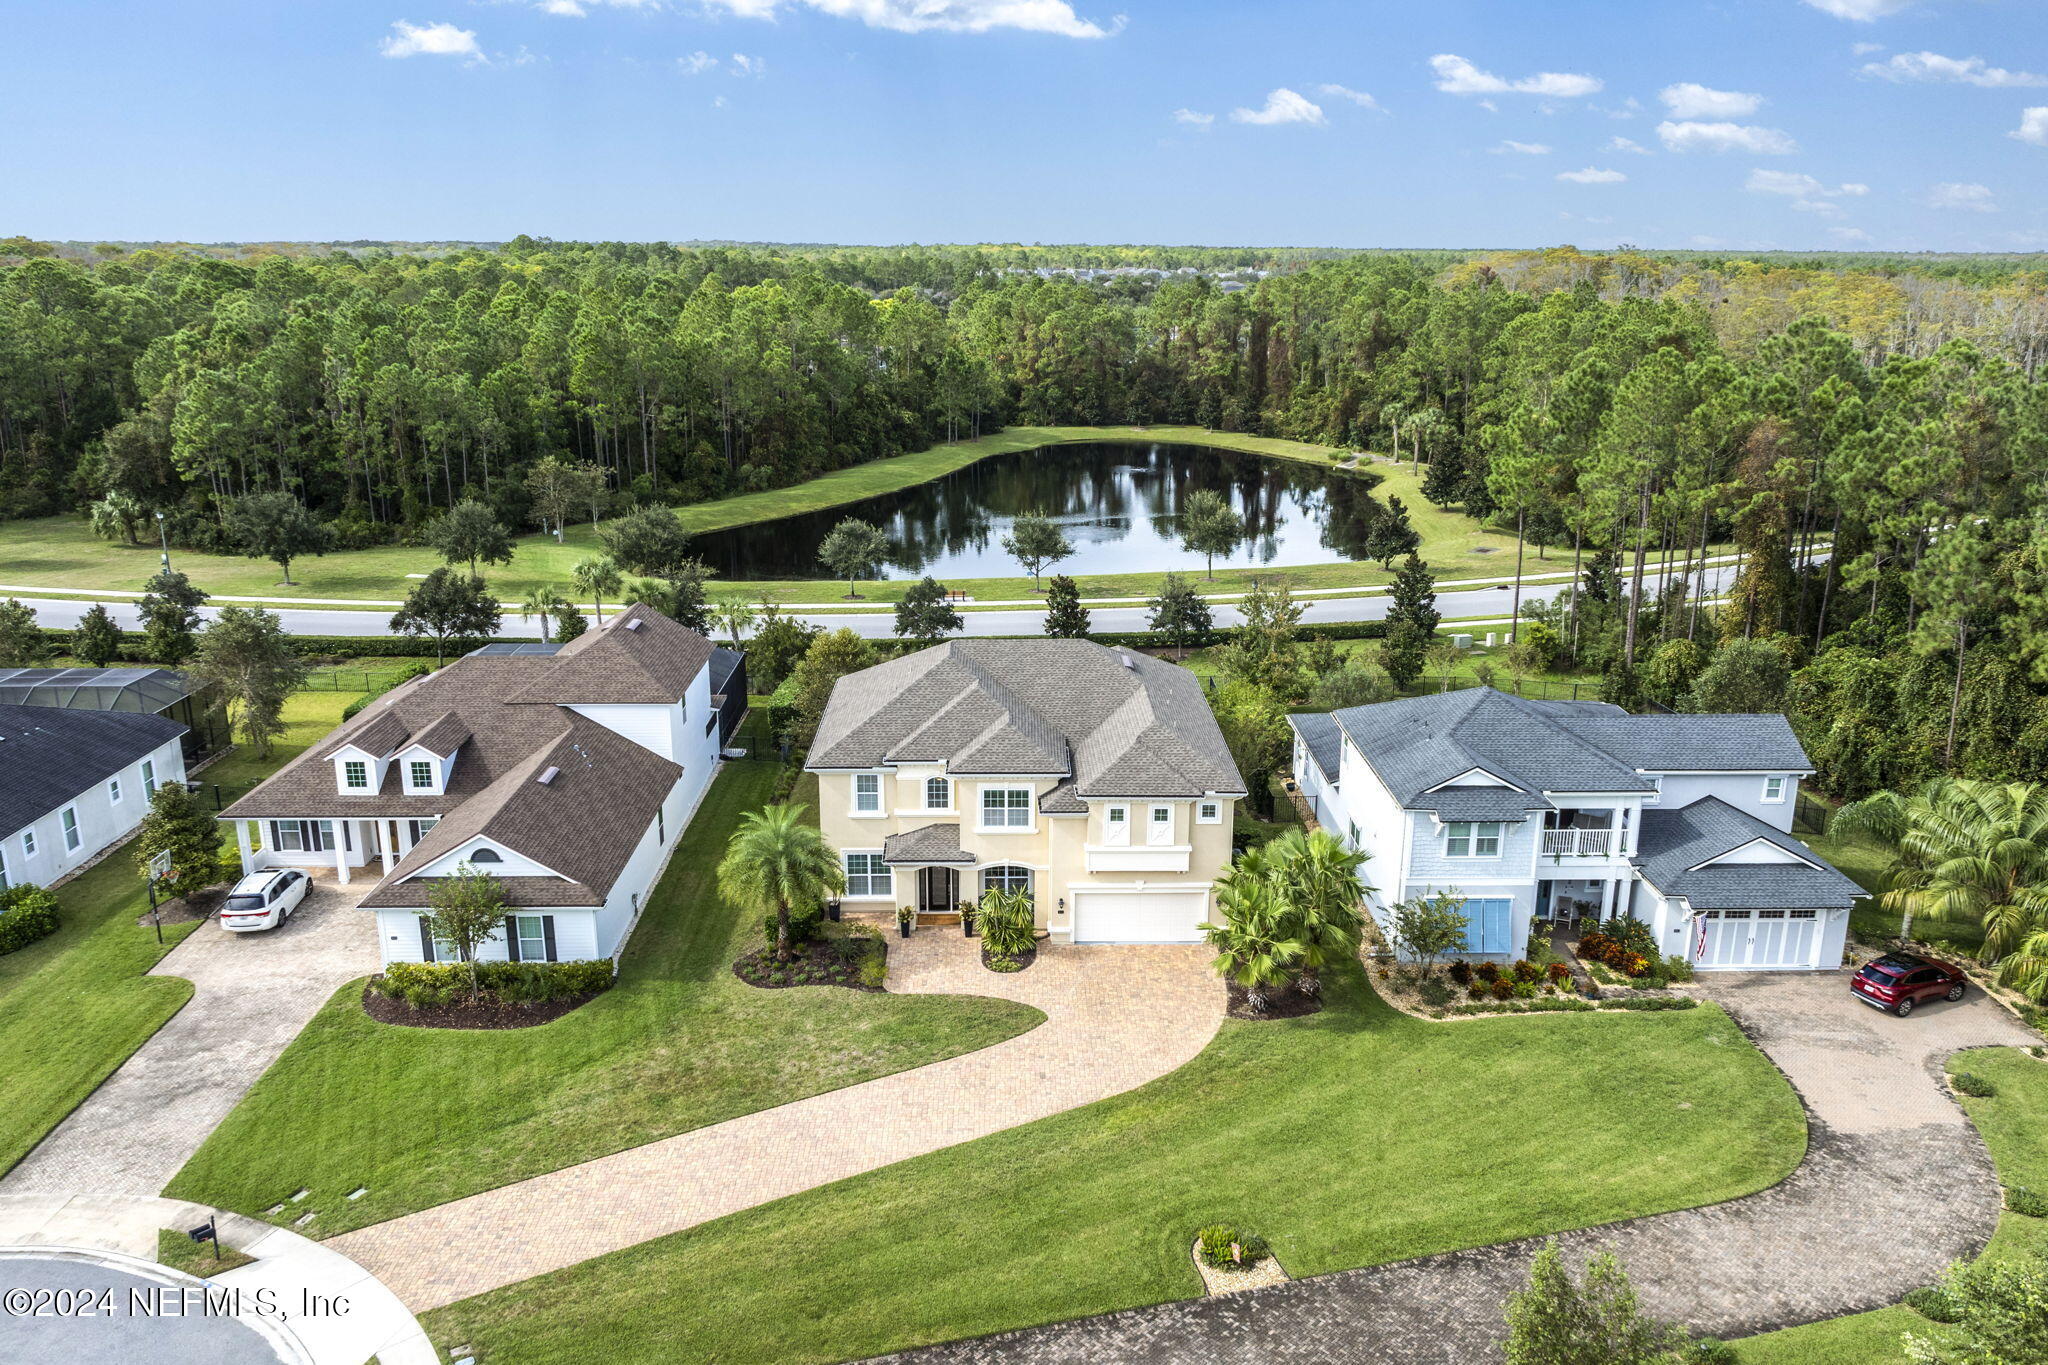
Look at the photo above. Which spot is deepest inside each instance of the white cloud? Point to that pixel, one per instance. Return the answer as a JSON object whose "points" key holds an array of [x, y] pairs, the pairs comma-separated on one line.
{"points": [[1345, 92], [1725, 137], [1849, 234], [1688, 100], [1932, 66], [1624, 144], [1861, 10], [1967, 198], [1456, 76], [568, 9], [430, 40], [2033, 126], [945, 16], [1799, 185], [1514, 148], [718, 101], [1193, 119], [697, 63], [1865, 49], [743, 65], [1282, 106], [1592, 176]]}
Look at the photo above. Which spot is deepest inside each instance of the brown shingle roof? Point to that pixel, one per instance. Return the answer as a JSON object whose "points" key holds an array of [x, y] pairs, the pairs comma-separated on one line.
{"points": [[524, 893], [383, 734], [444, 735], [639, 657]]}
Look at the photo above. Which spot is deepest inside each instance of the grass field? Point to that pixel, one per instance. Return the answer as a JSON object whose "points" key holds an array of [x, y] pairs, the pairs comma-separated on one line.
{"points": [[75, 1005], [61, 553], [422, 1116], [1863, 860], [1348, 1138], [2014, 1123]]}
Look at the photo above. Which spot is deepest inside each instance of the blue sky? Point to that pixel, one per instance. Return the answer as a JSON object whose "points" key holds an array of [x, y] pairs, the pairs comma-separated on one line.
{"points": [[1747, 124]]}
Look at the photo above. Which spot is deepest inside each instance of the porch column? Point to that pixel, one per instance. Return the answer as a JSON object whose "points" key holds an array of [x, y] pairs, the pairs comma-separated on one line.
{"points": [[1608, 892], [340, 853], [385, 838], [240, 829]]}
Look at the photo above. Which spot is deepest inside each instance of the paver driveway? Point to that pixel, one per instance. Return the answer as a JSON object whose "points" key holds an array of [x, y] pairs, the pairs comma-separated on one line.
{"points": [[252, 993], [1115, 1018], [1886, 1145]]}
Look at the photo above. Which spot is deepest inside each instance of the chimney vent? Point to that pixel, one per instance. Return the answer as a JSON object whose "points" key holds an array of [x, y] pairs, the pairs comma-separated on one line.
{"points": [[633, 624], [549, 776]]}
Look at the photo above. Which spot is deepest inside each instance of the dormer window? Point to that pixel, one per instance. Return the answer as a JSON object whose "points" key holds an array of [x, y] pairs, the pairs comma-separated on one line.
{"points": [[420, 772], [355, 775]]}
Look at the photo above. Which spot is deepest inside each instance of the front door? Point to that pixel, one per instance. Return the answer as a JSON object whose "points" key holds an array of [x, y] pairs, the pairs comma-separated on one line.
{"points": [[938, 890]]}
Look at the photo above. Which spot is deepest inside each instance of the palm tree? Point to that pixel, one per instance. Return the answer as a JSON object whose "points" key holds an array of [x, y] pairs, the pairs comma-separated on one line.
{"points": [[734, 617], [1968, 851], [545, 603], [1319, 886], [775, 861], [600, 577], [1252, 946]]}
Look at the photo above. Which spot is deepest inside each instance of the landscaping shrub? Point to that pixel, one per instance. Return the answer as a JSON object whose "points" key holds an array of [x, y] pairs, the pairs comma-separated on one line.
{"points": [[27, 913], [1488, 972], [1651, 1002], [1216, 1240], [804, 923], [2020, 1199], [1677, 968], [1933, 1304], [1613, 950], [1502, 988], [1527, 971], [1435, 993], [1558, 973], [423, 985], [1461, 972], [1006, 921], [1970, 1083], [1711, 1351], [1477, 990]]}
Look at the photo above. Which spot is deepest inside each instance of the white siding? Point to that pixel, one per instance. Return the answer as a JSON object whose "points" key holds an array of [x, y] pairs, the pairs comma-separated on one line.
{"points": [[102, 821], [651, 727], [1744, 791]]}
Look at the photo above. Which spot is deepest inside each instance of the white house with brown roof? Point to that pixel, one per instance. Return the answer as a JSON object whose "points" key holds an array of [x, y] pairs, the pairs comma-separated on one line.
{"points": [[1093, 778], [568, 775]]}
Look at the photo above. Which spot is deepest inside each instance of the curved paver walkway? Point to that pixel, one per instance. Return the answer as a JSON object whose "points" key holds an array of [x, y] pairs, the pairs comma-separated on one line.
{"points": [[1115, 1018], [1886, 1146], [252, 993]]}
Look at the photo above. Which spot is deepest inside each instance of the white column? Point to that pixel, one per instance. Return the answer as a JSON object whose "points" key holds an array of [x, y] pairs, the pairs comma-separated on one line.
{"points": [[385, 838], [340, 853], [240, 829], [1608, 889]]}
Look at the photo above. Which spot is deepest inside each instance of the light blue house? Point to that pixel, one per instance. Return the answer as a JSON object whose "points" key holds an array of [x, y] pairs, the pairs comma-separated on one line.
{"points": [[1569, 811]]}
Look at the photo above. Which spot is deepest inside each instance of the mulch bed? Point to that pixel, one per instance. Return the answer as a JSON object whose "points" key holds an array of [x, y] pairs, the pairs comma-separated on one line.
{"points": [[1283, 1002], [821, 962], [488, 1012], [1023, 959], [197, 906]]}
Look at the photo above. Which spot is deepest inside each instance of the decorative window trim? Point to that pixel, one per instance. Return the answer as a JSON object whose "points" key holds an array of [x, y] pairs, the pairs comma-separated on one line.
{"points": [[874, 871], [856, 809], [349, 768], [413, 780], [1028, 808], [942, 788], [1472, 838], [1154, 826], [1002, 875], [1208, 812], [1116, 825], [67, 820], [1777, 783]]}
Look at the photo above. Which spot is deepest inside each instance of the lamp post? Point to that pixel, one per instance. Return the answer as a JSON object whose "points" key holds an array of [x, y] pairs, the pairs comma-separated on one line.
{"points": [[163, 537]]}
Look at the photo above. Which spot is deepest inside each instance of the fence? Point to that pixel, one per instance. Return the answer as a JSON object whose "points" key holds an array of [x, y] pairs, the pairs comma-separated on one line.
{"points": [[1810, 816]]}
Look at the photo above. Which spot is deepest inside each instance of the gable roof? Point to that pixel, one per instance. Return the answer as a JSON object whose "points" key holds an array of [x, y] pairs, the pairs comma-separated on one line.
{"points": [[1673, 845], [638, 658], [925, 844], [1323, 740], [1116, 724], [49, 754], [1417, 743]]}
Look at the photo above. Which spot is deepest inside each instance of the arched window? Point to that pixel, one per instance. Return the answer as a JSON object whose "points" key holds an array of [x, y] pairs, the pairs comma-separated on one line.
{"points": [[485, 855], [938, 794], [1006, 878]]}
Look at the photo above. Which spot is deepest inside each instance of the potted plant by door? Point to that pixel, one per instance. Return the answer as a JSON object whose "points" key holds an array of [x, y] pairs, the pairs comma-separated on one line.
{"points": [[966, 909], [905, 917], [832, 908]]}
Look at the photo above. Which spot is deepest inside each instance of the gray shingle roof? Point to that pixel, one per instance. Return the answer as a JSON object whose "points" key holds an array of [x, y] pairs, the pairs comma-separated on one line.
{"points": [[49, 754], [1673, 843], [1323, 740], [926, 844], [1422, 742], [1053, 707]]}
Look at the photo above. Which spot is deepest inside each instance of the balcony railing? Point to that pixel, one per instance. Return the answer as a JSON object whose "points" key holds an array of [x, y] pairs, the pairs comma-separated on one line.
{"points": [[1578, 843]]}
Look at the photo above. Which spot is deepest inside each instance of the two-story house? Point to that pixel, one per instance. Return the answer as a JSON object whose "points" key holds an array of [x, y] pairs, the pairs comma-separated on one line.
{"points": [[567, 772], [1095, 779], [1567, 811]]}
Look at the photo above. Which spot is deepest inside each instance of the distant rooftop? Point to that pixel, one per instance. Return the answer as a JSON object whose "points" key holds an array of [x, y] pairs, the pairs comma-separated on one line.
{"points": [[94, 689], [527, 648]]}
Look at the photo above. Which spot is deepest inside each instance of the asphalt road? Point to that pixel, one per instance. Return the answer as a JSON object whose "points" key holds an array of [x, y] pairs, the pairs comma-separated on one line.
{"points": [[84, 1313], [1469, 602]]}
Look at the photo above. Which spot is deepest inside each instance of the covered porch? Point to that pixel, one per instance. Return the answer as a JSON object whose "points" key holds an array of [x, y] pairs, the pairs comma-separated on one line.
{"points": [[347, 846], [1568, 901]]}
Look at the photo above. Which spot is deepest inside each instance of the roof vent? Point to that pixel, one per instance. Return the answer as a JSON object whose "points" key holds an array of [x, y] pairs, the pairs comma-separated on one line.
{"points": [[633, 624], [548, 776], [1125, 660]]}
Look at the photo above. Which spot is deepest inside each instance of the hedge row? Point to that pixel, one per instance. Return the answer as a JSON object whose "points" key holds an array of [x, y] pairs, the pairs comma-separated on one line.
{"points": [[27, 913]]}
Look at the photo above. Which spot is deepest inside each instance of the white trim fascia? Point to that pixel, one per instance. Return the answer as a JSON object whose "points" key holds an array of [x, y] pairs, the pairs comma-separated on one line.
{"points": [[1751, 843], [1725, 772], [1476, 768], [471, 843]]}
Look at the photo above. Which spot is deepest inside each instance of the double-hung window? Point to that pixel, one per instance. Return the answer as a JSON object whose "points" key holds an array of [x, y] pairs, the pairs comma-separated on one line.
{"points": [[1006, 807], [1159, 825], [422, 772], [1472, 839], [938, 794], [148, 777], [867, 793], [72, 838], [114, 790], [1774, 790], [868, 875], [355, 775], [531, 940], [28, 843]]}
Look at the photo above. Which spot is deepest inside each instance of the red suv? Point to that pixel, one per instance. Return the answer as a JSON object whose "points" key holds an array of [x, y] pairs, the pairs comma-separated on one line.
{"points": [[1899, 981]]}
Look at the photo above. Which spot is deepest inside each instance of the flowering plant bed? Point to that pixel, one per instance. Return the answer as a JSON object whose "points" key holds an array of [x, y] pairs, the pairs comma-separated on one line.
{"points": [[855, 961]]}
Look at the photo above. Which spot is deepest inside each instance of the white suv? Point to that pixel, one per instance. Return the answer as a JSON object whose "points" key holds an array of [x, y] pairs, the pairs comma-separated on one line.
{"points": [[263, 900]]}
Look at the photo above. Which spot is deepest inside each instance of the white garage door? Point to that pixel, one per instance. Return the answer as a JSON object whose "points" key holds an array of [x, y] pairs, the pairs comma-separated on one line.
{"points": [[1757, 940], [1139, 916]]}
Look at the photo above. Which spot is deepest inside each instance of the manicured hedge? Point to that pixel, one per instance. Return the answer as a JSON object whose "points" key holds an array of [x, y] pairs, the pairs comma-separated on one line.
{"points": [[27, 913], [425, 984], [131, 649]]}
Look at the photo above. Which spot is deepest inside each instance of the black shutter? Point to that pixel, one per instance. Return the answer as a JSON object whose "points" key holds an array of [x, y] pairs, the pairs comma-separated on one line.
{"points": [[547, 929], [276, 844], [511, 939], [426, 940], [347, 842]]}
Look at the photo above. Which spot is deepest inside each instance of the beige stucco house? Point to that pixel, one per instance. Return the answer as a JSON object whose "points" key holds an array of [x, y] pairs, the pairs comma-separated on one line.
{"points": [[1094, 778]]}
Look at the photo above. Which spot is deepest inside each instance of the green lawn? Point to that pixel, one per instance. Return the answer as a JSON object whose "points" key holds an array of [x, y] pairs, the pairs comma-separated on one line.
{"points": [[74, 1006], [422, 1116], [2014, 1123], [61, 553], [1863, 860], [1349, 1138]]}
